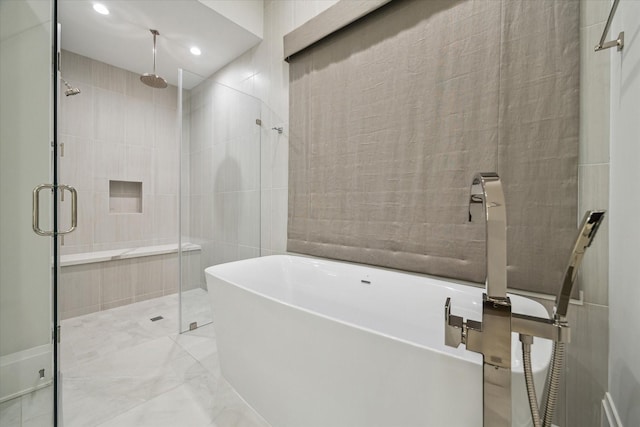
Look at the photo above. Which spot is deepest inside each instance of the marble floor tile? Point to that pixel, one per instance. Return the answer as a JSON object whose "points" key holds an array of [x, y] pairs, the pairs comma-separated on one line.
{"points": [[33, 409], [233, 417], [118, 368], [212, 364], [92, 402], [43, 420], [232, 411], [149, 359], [37, 407], [208, 332], [11, 413], [123, 380], [197, 346], [121, 369], [84, 337], [196, 307], [177, 407]]}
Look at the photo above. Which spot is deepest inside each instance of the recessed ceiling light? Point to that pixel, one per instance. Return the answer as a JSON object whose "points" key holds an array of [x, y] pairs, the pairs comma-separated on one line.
{"points": [[195, 50], [101, 9]]}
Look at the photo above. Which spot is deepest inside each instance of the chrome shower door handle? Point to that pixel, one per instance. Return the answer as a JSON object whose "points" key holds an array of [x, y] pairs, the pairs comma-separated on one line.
{"points": [[74, 207], [35, 211], [35, 219]]}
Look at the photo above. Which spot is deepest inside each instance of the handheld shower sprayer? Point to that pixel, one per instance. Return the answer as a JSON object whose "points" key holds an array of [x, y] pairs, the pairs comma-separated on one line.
{"points": [[587, 231], [588, 228], [70, 89]]}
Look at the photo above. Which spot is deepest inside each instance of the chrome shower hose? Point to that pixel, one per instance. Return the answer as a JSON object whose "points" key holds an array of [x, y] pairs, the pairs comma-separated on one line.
{"points": [[552, 384]]}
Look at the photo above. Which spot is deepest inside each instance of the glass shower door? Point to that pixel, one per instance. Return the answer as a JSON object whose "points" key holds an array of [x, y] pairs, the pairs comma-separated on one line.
{"points": [[220, 186], [27, 260]]}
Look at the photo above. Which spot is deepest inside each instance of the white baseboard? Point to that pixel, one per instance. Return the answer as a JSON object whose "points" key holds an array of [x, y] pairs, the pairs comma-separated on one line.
{"points": [[20, 372], [610, 417]]}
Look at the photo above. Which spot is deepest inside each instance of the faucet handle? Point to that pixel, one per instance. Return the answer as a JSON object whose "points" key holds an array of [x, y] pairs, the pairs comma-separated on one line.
{"points": [[454, 327]]}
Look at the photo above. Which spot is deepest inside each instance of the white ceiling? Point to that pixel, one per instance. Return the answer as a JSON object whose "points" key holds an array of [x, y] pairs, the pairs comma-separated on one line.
{"points": [[122, 38]]}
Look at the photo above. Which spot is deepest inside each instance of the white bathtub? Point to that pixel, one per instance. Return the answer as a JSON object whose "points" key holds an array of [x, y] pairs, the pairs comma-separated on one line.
{"points": [[308, 343]]}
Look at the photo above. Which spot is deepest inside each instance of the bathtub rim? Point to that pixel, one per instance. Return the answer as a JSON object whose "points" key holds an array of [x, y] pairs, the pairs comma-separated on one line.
{"points": [[469, 356]]}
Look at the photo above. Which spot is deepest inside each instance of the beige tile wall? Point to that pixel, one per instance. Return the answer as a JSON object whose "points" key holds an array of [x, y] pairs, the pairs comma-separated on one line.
{"points": [[586, 373], [87, 288], [118, 129], [587, 357]]}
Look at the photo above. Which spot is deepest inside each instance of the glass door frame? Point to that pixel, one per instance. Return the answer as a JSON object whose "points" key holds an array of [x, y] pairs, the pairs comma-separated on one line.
{"points": [[29, 288], [55, 75]]}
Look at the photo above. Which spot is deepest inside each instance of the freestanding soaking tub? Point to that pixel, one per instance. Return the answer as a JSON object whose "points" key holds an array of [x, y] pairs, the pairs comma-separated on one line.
{"points": [[317, 343]]}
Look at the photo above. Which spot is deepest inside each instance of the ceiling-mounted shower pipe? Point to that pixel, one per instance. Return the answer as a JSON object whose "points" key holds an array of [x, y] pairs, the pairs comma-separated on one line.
{"points": [[152, 79]]}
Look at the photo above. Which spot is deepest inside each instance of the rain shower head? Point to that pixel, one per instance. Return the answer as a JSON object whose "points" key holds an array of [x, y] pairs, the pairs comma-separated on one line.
{"points": [[152, 79], [70, 89]]}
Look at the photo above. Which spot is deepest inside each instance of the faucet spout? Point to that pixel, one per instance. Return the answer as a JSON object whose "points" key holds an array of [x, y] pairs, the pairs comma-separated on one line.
{"points": [[492, 336], [487, 198]]}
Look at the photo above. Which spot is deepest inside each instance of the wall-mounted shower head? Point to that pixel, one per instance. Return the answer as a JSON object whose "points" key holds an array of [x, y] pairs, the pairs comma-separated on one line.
{"points": [[152, 79], [70, 89]]}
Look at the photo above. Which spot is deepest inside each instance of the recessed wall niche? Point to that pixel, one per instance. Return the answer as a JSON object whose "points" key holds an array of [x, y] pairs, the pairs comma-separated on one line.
{"points": [[125, 197]]}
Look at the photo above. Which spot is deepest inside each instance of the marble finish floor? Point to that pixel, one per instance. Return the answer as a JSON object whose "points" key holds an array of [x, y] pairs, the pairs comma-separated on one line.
{"points": [[121, 369], [31, 410], [196, 307]]}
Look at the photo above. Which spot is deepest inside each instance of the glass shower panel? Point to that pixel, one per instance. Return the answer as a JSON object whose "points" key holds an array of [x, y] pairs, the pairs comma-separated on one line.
{"points": [[27, 261], [220, 186]]}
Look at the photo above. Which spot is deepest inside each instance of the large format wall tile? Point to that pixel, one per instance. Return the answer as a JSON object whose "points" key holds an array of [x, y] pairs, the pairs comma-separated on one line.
{"points": [[116, 283], [594, 194], [80, 288], [97, 286], [108, 77], [139, 122], [594, 95], [76, 112], [118, 129], [76, 162], [587, 365], [108, 115]]}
